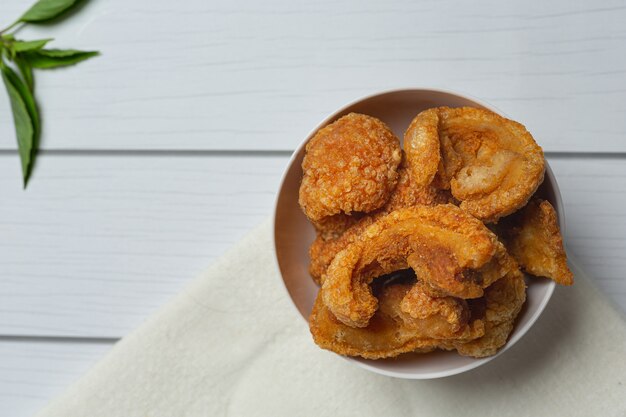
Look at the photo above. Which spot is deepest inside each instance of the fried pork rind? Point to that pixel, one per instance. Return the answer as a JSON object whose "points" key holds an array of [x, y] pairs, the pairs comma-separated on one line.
{"points": [[503, 302], [341, 229], [409, 193], [421, 146], [350, 166], [533, 238], [333, 227], [391, 331], [451, 252], [418, 304], [492, 165], [323, 251], [379, 210]]}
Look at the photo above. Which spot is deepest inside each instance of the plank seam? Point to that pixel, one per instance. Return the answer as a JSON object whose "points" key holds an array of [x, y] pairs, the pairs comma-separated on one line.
{"points": [[59, 339], [157, 152], [254, 153]]}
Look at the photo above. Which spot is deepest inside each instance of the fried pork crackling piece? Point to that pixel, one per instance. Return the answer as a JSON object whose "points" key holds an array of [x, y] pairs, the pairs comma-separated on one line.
{"points": [[350, 166], [323, 251], [503, 302], [410, 193], [533, 238], [492, 165], [421, 146], [331, 240], [451, 252], [391, 331], [333, 227]]}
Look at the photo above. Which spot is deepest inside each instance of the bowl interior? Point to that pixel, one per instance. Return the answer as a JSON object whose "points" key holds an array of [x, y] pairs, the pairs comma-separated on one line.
{"points": [[293, 235]]}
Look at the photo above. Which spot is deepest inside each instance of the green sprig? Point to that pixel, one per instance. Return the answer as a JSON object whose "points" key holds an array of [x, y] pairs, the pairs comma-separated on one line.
{"points": [[18, 58]]}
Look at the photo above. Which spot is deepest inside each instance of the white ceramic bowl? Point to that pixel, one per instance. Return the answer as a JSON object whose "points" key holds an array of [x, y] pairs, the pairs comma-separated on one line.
{"points": [[293, 235]]}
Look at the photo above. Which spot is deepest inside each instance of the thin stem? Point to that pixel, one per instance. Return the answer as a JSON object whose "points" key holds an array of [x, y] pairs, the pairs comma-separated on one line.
{"points": [[11, 26], [4, 45]]}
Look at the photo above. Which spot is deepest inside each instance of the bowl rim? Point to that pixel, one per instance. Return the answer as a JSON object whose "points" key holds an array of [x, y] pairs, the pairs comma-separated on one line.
{"points": [[365, 364]]}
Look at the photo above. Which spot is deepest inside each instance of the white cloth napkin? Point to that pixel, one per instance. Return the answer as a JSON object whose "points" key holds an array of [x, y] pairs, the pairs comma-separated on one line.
{"points": [[231, 344]]}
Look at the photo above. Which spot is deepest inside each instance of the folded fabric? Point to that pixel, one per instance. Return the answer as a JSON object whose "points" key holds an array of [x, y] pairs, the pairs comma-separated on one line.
{"points": [[232, 344]]}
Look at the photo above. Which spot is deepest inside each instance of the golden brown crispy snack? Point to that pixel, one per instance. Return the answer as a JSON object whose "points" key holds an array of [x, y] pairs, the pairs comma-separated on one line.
{"points": [[533, 238], [421, 146], [492, 165], [409, 193], [323, 251], [433, 266], [418, 304], [452, 253], [503, 302], [350, 166], [332, 227], [392, 331], [344, 229]]}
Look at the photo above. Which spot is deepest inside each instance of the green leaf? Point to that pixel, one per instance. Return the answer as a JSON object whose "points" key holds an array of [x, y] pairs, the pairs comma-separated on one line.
{"points": [[54, 58], [26, 94], [25, 127], [46, 9], [26, 70], [25, 46]]}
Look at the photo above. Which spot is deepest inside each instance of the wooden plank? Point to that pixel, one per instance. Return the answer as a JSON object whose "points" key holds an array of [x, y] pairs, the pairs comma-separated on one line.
{"points": [[249, 75], [594, 194], [33, 373], [98, 243]]}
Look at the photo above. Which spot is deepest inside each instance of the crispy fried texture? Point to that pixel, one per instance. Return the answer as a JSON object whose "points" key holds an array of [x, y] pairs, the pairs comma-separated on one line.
{"points": [[452, 252], [534, 239], [503, 302], [323, 251], [333, 227], [492, 165], [392, 331], [409, 193], [341, 230], [378, 210], [421, 146], [418, 304], [350, 166], [433, 266]]}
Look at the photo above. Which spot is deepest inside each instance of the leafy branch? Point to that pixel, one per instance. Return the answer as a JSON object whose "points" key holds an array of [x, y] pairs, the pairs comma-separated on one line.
{"points": [[18, 58]]}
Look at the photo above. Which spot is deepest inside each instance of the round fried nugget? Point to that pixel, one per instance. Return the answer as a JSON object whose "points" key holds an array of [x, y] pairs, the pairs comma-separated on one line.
{"points": [[451, 252], [350, 166], [492, 165]]}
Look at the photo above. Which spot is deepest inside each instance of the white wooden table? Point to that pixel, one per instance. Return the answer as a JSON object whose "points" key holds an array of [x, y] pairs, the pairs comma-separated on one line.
{"points": [[168, 148]]}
